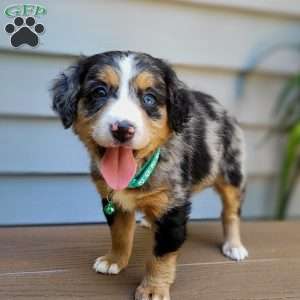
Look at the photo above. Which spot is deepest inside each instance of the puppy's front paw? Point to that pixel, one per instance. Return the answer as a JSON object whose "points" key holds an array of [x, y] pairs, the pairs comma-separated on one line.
{"points": [[234, 252], [147, 292], [105, 265]]}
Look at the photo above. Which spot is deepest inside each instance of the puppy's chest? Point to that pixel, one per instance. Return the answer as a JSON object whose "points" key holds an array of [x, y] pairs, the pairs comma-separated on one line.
{"points": [[151, 200]]}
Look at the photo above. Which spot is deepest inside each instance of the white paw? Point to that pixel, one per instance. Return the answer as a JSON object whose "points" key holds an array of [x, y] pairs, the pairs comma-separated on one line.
{"points": [[145, 223], [101, 265], [235, 253]]}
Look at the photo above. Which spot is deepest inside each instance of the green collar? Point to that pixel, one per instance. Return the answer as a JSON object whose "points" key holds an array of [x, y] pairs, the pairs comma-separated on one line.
{"points": [[143, 174]]}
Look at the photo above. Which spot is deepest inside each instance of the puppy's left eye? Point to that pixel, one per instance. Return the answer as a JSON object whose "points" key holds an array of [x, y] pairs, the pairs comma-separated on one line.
{"points": [[100, 92], [149, 99]]}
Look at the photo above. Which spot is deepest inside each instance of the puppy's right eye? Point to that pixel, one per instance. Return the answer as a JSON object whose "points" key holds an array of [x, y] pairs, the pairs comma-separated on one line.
{"points": [[149, 99], [100, 92]]}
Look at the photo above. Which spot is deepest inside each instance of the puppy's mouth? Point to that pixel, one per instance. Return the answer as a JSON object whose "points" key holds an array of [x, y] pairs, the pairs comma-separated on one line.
{"points": [[117, 166]]}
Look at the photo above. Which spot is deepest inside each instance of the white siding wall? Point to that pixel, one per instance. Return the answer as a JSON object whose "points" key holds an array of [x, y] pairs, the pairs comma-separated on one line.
{"points": [[44, 169]]}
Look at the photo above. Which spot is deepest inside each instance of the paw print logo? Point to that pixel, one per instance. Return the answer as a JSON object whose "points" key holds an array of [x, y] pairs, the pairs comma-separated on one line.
{"points": [[24, 32]]}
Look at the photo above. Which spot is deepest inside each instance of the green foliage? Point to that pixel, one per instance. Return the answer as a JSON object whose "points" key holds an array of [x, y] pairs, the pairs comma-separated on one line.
{"points": [[290, 170], [287, 115]]}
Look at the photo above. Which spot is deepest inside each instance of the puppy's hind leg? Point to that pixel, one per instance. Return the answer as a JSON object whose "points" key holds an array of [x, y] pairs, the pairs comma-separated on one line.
{"points": [[231, 198]]}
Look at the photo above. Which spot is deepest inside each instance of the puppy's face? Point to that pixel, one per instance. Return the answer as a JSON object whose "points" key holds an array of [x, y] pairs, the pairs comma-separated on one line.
{"points": [[127, 101], [122, 105]]}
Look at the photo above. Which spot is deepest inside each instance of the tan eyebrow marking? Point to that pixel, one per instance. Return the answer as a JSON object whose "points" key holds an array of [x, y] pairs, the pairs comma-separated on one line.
{"points": [[144, 80], [108, 75]]}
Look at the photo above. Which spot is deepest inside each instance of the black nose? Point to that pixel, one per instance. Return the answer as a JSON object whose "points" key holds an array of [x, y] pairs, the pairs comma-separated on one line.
{"points": [[122, 131]]}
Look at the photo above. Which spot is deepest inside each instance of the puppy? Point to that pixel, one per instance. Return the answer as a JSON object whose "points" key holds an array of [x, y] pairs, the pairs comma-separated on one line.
{"points": [[136, 118]]}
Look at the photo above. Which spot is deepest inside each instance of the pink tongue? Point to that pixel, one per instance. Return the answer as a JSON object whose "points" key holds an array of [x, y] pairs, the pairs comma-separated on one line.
{"points": [[118, 167]]}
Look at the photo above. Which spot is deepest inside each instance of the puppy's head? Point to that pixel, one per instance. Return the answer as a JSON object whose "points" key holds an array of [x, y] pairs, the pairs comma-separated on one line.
{"points": [[123, 106]]}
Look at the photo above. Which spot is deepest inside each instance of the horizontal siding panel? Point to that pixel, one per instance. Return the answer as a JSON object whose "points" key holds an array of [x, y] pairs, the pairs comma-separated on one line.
{"points": [[31, 97], [42, 145], [183, 34], [48, 199], [73, 199], [282, 7], [33, 75], [254, 106]]}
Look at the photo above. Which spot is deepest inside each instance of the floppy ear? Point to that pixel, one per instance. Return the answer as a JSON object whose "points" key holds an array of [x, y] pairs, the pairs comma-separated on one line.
{"points": [[65, 93], [178, 102]]}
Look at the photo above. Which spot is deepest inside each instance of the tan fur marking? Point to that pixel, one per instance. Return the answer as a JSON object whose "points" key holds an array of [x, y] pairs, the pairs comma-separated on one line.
{"points": [[205, 183], [159, 132], [109, 76], [231, 198], [101, 186], [122, 233], [83, 128], [152, 203], [160, 274], [161, 270], [144, 80]]}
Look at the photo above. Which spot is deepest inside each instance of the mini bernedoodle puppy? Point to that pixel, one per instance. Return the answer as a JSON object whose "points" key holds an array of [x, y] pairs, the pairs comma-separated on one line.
{"points": [[133, 114]]}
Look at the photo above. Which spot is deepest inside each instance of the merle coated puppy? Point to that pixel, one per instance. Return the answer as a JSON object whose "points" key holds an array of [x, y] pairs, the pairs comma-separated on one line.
{"points": [[130, 110]]}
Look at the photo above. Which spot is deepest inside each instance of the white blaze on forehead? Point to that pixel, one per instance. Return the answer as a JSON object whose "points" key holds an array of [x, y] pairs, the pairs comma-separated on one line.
{"points": [[127, 71], [125, 107]]}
